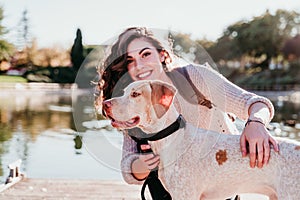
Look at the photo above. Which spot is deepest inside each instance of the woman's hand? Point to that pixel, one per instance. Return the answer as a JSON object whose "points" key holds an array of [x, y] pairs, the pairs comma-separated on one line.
{"points": [[149, 160], [146, 162], [259, 140]]}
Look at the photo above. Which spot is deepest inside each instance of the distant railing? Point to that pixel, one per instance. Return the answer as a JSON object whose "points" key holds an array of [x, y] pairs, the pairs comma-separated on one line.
{"points": [[37, 86], [285, 87]]}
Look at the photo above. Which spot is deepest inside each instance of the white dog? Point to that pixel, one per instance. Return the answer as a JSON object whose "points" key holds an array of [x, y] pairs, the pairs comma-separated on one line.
{"points": [[200, 164]]}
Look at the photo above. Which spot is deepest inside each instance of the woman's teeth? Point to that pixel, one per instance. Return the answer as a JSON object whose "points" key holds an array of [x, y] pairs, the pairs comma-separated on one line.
{"points": [[143, 75]]}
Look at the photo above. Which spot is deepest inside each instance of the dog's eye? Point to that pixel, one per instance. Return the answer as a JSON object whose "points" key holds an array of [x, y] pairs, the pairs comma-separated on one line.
{"points": [[135, 94]]}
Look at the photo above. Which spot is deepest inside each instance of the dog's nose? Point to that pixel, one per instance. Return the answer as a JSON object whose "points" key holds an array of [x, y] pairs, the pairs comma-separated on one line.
{"points": [[106, 104]]}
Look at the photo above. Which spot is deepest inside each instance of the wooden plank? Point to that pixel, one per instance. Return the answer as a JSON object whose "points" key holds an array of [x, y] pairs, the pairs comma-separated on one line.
{"points": [[14, 175], [50, 189], [8, 185]]}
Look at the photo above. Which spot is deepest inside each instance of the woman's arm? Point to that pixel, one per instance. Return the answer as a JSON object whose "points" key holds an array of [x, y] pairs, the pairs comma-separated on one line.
{"points": [[128, 156], [245, 105], [225, 95], [136, 167]]}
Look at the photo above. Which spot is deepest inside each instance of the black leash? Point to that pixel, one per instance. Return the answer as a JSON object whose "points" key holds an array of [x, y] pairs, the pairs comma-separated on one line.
{"points": [[157, 190]]}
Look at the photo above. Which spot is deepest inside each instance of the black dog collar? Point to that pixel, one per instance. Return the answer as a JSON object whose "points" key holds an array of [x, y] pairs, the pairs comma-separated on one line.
{"points": [[179, 123]]}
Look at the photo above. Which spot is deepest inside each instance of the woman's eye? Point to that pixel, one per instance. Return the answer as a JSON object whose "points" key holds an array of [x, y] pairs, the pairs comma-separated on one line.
{"points": [[146, 54], [135, 94], [129, 61]]}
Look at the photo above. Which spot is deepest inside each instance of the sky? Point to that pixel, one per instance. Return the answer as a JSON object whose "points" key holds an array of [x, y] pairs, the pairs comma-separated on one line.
{"points": [[54, 22]]}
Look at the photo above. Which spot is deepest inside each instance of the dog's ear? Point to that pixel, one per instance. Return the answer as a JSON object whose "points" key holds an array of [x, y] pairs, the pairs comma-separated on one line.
{"points": [[162, 95]]}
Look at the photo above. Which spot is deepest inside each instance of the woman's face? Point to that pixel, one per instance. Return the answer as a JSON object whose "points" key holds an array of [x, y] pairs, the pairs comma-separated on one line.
{"points": [[143, 60]]}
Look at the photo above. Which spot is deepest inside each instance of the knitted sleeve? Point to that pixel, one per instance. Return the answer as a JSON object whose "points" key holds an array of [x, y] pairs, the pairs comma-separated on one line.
{"points": [[128, 156], [224, 94]]}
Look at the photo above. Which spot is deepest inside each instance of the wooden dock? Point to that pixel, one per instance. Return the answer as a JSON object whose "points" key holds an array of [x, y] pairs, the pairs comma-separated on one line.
{"points": [[61, 189], [17, 187]]}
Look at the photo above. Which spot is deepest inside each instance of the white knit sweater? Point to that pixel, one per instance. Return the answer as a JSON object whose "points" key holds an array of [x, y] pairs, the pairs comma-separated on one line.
{"points": [[226, 98]]}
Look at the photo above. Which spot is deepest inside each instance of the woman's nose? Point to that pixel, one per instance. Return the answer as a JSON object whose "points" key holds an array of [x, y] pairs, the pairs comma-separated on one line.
{"points": [[139, 64]]}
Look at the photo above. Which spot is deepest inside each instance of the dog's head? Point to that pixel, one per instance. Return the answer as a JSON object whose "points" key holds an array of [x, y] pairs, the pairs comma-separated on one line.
{"points": [[142, 104]]}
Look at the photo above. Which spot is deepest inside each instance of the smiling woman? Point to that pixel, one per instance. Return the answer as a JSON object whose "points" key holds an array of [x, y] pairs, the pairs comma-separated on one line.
{"points": [[139, 54]]}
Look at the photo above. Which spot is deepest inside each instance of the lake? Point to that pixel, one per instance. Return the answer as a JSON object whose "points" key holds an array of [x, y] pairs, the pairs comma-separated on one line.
{"points": [[53, 129]]}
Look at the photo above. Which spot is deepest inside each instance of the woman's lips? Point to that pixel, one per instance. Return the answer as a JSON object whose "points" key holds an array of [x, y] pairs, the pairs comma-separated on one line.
{"points": [[144, 75]]}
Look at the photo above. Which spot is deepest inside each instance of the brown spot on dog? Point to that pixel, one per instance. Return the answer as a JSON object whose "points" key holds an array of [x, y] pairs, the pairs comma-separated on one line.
{"points": [[221, 156], [297, 147]]}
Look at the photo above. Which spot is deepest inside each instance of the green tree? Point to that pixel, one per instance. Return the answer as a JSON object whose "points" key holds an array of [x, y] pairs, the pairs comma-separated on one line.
{"points": [[77, 51], [222, 49], [264, 35], [192, 50], [6, 48], [23, 38], [24, 43], [182, 42]]}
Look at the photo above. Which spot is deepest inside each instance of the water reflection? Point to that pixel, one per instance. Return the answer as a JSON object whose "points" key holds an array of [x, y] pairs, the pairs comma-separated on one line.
{"points": [[45, 128], [24, 115], [286, 122], [39, 127]]}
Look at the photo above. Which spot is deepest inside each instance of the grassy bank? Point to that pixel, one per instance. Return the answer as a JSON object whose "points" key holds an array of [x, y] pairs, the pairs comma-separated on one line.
{"points": [[12, 79]]}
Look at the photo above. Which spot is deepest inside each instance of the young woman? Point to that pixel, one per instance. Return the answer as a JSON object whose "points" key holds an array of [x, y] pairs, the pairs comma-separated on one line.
{"points": [[138, 55]]}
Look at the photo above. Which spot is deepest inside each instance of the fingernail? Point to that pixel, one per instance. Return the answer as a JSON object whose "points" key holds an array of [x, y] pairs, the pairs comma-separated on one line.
{"points": [[277, 148], [145, 146], [259, 165]]}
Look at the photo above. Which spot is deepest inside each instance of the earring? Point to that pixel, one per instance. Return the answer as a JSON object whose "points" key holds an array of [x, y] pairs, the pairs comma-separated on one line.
{"points": [[162, 56]]}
